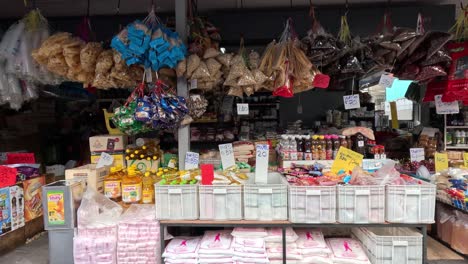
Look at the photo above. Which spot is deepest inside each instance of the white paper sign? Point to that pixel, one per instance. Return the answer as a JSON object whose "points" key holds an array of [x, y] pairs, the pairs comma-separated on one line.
{"points": [[386, 80], [351, 101], [445, 108], [193, 84], [243, 109], [416, 154], [149, 76], [261, 163], [104, 160], [191, 160], [227, 155]]}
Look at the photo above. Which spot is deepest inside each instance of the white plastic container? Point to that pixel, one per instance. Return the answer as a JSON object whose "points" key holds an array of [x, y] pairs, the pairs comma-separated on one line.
{"points": [[392, 245], [312, 204], [410, 203], [266, 201], [176, 202], [361, 204], [220, 202]]}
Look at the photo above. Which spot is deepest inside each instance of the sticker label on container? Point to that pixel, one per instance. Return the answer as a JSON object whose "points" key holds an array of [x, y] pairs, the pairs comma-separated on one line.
{"points": [[131, 193], [351, 101], [191, 160], [441, 161], [147, 197], [55, 208], [112, 189], [104, 160], [445, 108], [417, 154], [243, 109], [261, 163], [227, 155]]}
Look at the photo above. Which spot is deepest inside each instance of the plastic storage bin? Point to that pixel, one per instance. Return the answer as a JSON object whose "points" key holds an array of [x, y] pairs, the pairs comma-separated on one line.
{"points": [[361, 204], [391, 245], [410, 203], [220, 202], [266, 201], [176, 202], [312, 204]]}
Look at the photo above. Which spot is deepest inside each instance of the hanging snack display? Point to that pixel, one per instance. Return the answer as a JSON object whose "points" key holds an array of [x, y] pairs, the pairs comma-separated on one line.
{"points": [[150, 44], [197, 105], [160, 108], [203, 35]]}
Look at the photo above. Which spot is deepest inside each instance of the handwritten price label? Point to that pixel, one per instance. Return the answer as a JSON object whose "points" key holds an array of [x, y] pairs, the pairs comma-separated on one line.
{"points": [[351, 101], [416, 154], [227, 155], [441, 161], [346, 160], [386, 80], [243, 109], [445, 108], [465, 159], [104, 160], [261, 163], [191, 160]]}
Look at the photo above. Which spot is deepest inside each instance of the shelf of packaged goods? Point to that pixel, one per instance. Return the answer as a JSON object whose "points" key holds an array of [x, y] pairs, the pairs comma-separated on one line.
{"points": [[456, 127], [444, 202], [457, 147]]}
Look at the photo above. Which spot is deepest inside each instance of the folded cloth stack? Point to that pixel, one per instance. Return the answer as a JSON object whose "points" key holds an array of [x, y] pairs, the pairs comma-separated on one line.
{"points": [[216, 247], [182, 250], [274, 246], [95, 245], [347, 251], [313, 247], [249, 245], [138, 236], [243, 151]]}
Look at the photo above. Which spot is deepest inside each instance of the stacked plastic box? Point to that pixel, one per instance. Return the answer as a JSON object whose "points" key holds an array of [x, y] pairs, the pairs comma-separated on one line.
{"points": [[220, 202], [361, 204], [312, 204], [176, 202]]}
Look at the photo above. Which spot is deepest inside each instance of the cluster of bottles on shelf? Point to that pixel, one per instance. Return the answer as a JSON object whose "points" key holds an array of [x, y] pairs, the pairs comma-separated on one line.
{"points": [[146, 151], [325, 147], [460, 119], [130, 186], [457, 137]]}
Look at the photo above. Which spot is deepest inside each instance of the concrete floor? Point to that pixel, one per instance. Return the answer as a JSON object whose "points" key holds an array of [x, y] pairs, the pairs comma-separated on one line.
{"points": [[36, 252]]}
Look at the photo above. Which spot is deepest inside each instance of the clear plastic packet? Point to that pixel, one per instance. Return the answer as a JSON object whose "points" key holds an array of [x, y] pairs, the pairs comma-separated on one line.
{"points": [[97, 209], [89, 55], [201, 71], [104, 62], [210, 53], [193, 61], [213, 66], [225, 59], [181, 68]]}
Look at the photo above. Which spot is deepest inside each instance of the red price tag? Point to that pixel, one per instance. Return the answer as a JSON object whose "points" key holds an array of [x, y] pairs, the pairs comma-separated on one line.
{"points": [[16, 158], [7, 176], [321, 81]]}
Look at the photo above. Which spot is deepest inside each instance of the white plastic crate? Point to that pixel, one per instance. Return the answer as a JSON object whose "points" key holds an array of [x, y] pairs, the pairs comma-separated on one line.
{"points": [[361, 204], [410, 203], [220, 202], [312, 204], [176, 202], [266, 201], [391, 245]]}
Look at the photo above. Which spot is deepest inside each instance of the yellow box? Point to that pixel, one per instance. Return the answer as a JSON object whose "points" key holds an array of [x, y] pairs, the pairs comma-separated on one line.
{"points": [[144, 165], [89, 175], [119, 158], [108, 143]]}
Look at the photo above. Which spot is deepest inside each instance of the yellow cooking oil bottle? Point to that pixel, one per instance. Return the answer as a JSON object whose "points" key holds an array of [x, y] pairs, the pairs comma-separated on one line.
{"points": [[112, 184], [148, 189], [132, 186]]}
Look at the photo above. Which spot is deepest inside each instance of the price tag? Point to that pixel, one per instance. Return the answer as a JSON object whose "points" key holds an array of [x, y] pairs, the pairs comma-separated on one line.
{"points": [[104, 160], [193, 84], [351, 101], [243, 109], [416, 154], [227, 155], [346, 160], [17, 158], [386, 80], [7, 176], [465, 159], [261, 163], [445, 108], [441, 161], [191, 160]]}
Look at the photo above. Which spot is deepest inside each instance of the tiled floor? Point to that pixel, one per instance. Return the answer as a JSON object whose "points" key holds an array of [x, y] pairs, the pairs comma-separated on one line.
{"points": [[36, 252]]}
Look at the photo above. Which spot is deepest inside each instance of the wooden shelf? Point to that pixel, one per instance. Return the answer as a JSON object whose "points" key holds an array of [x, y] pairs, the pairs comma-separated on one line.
{"points": [[455, 127], [456, 147]]}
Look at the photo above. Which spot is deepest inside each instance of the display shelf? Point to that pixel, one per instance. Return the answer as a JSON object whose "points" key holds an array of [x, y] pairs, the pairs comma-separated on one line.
{"points": [[442, 201], [455, 127], [456, 147]]}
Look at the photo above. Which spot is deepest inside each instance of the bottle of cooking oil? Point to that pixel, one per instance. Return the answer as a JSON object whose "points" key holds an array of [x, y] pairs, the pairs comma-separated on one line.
{"points": [[131, 186], [148, 189], [112, 185]]}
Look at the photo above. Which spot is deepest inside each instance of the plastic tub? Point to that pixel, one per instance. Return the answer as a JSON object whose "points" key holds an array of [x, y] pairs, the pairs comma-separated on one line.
{"points": [[312, 204], [176, 202], [220, 202], [410, 203], [266, 201], [361, 204], [391, 245]]}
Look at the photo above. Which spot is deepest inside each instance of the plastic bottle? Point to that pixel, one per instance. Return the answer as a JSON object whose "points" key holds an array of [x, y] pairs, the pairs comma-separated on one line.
{"points": [[329, 147], [285, 147], [343, 142], [457, 137], [462, 137], [299, 147], [360, 145], [315, 149], [350, 142], [307, 148], [112, 185], [322, 145], [292, 148], [131, 186], [336, 145], [147, 189]]}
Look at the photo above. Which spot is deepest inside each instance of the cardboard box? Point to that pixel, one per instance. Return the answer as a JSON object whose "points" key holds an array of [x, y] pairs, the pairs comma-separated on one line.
{"points": [[144, 165], [17, 207], [33, 198], [119, 158], [5, 210], [108, 143], [89, 175]]}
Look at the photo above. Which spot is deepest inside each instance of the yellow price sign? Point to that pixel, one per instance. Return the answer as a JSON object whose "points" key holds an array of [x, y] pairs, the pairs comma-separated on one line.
{"points": [[441, 161], [346, 160], [465, 159]]}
